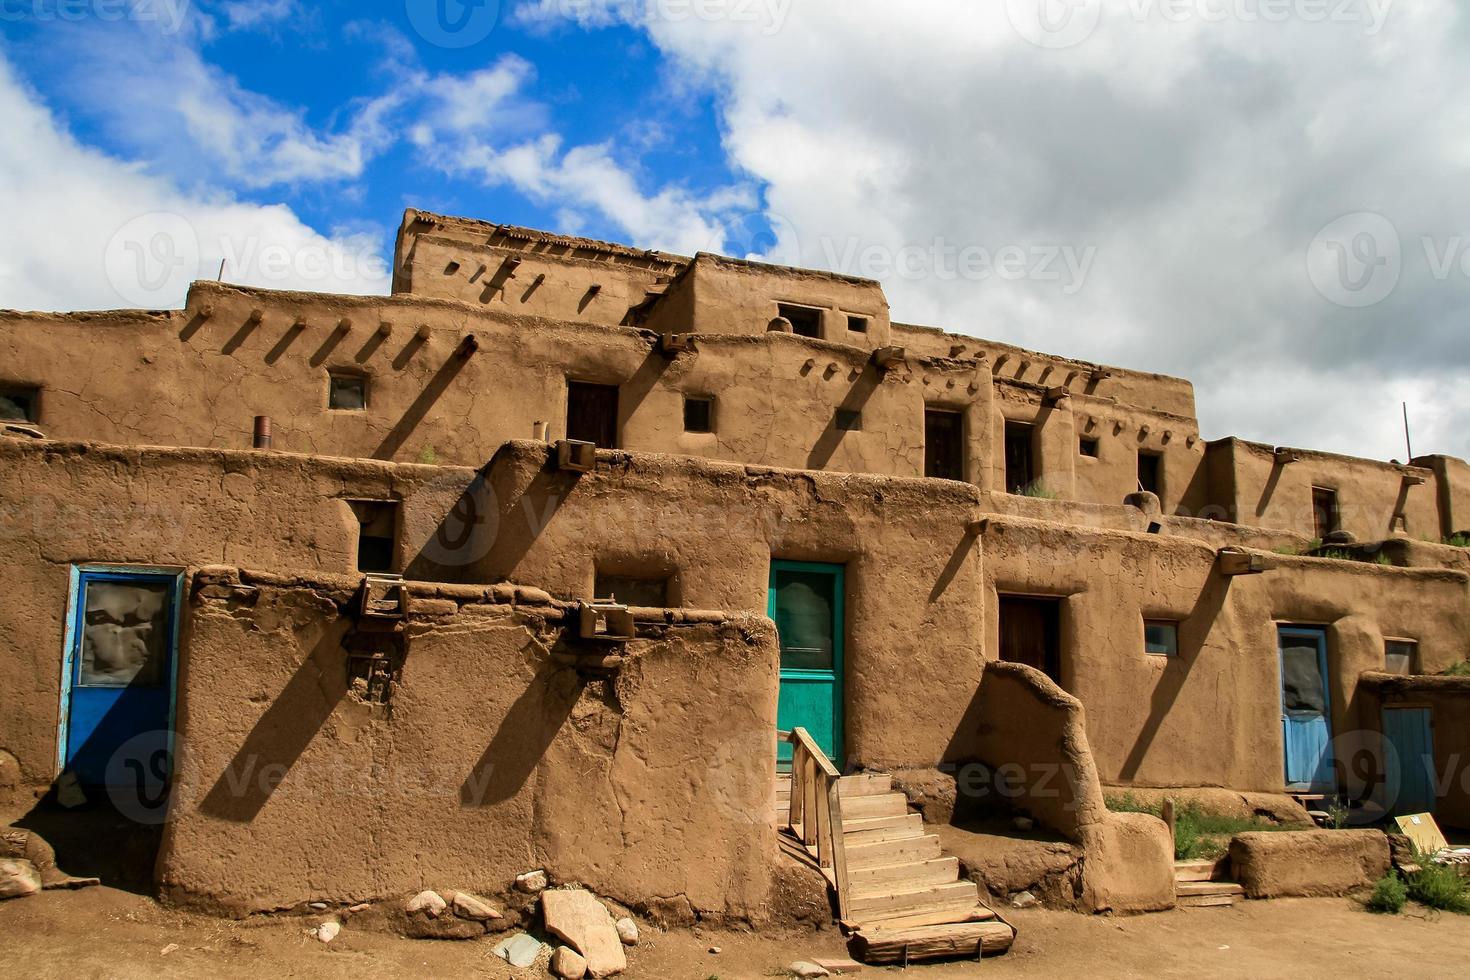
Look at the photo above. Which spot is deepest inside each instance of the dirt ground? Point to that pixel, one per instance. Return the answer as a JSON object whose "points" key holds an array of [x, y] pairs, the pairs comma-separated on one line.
{"points": [[102, 932]]}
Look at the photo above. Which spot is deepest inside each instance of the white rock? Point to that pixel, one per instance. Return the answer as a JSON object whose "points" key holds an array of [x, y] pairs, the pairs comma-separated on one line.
{"points": [[1023, 823], [714, 950], [1024, 900], [531, 882], [319, 906], [468, 906], [627, 931], [327, 931], [518, 950], [807, 970], [427, 902], [583, 923], [568, 964], [18, 878]]}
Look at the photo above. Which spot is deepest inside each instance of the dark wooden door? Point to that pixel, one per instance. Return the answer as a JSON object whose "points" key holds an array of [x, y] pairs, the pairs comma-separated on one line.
{"points": [[944, 448], [1019, 469], [592, 413], [1030, 633]]}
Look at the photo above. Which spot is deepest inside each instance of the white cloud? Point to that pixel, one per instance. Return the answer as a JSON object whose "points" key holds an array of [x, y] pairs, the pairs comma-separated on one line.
{"points": [[94, 232], [248, 14]]}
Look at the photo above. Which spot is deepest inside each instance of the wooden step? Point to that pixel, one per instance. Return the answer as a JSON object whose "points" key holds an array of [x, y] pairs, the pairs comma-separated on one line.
{"points": [[1195, 870], [917, 943], [932, 915], [1204, 901], [865, 784], [891, 902], [903, 877], [1201, 889], [891, 852], [877, 829], [876, 805]]}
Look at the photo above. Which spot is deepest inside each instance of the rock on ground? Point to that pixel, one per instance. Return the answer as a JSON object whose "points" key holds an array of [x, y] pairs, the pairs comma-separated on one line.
{"points": [[531, 882], [806, 970], [578, 918], [519, 950], [468, 906], [1024, 900], [427, 902], [627, 931], [18, 878], [567, 964], [327, 931]]}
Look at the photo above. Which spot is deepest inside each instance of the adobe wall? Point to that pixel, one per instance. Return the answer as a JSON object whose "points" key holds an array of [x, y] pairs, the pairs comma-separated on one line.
{"points": [[493, 758], [1452, 486], [1448, 698]]}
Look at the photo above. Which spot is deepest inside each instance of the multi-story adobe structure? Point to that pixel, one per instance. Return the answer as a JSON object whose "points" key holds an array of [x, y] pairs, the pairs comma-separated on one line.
{"points": [[911, 507]]}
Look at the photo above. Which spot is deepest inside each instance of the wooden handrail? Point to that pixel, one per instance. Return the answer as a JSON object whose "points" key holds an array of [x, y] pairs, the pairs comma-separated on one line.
{"points": [[816, 809]]}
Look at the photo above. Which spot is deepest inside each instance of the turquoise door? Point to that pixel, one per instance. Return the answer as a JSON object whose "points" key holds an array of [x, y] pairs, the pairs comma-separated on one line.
{"points": [[1305, 709], [1409, 763], [118, 682], [805, 601]]}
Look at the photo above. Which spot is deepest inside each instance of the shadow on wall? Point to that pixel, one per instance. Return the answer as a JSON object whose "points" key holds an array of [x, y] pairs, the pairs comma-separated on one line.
{"points": [[831, 437], [524, 735], [283, 731], [426, 399]]}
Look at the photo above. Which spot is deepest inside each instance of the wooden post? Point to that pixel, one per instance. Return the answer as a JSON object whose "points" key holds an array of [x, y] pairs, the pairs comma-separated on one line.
{"points": [[1168, 815]]}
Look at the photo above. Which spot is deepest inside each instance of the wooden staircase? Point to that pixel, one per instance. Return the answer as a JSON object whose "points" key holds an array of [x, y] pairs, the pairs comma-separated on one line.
{"points": [[899, 897], [1202, 884]]}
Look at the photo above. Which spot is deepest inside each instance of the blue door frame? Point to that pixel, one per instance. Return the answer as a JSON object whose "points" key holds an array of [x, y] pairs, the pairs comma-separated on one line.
{"points": [[1306, 731], [1409, 761], [112, 732], [811, 672]]}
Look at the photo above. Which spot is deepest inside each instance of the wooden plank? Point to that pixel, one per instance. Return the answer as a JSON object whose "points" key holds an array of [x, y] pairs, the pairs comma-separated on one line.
{"points": [[903, 851], [933, 942], [935, 871], [1195, 870], [919, 898], [893, 828], [885, 805], [866, 784], [838, 841], [1204, 901], [939, 915], [809, 797], [853, 825], [1207, 888]]}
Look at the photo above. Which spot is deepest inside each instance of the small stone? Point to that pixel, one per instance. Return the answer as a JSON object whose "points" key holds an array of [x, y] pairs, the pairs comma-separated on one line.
{"points": [[69, 791], [567, 964], [1024, 900], [468, 906], [531, 882], [714, 950], [319, 906], [359, 907], [575, 916], [18, 878], [1023, 823], [519, 950], [806, 970], [170, 948], [427, 902], [327, 931], [842, 965], [627, 931]]}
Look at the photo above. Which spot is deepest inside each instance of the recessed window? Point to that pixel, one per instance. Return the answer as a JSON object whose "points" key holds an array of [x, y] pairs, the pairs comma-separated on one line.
{"points": [[1087, 447], [944, 444], [1325, 515], [1400, 656], [1161, 637], [849, 420], [346, 392], [1150, 472], [632, 590], [857, 324], [19, 404], [699, 414], [377, 533], [806, 321], [1020, 466], [592, 413]]}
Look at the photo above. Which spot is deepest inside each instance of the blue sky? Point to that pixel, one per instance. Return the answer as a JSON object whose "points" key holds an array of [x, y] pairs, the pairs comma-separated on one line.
{"points": [[1271, 200]]}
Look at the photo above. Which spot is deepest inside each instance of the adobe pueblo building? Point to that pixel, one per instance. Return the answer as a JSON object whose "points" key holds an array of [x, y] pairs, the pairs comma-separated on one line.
{"points": [[527, 564]]}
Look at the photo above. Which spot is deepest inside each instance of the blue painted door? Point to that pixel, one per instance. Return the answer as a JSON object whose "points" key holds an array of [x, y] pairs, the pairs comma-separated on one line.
{"points": [[805, 601], [119, 676], [1306, 709], [1409, 763]]}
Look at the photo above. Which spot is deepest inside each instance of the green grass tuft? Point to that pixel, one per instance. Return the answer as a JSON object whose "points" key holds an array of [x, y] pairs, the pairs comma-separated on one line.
{"points": [[1389, 896], [1439, 886], [1458, 540], [1198, 833], [1461, 669]]}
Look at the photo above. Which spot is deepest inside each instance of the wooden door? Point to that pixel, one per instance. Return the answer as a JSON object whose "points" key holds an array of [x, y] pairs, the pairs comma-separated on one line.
{"points": [[1409, 760], [1306, 709], [806, 602], [944, 444], [1030, 633], [592, 413]]}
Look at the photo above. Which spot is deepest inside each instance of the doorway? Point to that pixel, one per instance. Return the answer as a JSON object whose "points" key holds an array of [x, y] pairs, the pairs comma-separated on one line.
{"points": [[944, 444], [592, 413], [806, 602], [1031, 632], [1020, 464], [1306, 709], [1409, 760]]}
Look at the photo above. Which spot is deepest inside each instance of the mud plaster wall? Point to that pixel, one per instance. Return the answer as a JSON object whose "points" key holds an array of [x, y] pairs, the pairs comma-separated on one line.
{"points": [[1448, 699], [492, 760]]}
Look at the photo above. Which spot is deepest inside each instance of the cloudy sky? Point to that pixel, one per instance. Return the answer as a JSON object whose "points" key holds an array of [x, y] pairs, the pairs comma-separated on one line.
{"points": [[1268, 197]]}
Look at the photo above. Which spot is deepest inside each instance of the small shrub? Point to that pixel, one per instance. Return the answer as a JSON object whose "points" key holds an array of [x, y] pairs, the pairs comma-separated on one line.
{"points": [[1038, 489], [1338, 813], [428, 457], [1461, 669], [1460, 539], [1439, 886], [1389, 895]]}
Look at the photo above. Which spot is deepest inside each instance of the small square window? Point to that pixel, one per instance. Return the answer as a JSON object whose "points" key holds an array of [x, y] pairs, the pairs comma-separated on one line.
{"points": [[1087, 447], [632, 590], [699, 414], [849, 420], [857, 324], [1161, 637], [805, 321], [1399, 656], [347, 392], [19, 404]]}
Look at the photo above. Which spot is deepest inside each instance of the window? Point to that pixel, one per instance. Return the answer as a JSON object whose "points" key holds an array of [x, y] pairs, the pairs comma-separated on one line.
{"points": [[849, 420], [346, 392], [377, 533], [857, 324], [944, 444], [1030, 633], [592, 413], [806, 321], [699, 414], [1150, 475], [1020, 468], [632, 590], [1400, 656], [1087, 447], [20, 404], [1325, 517], [1161, 637]]}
